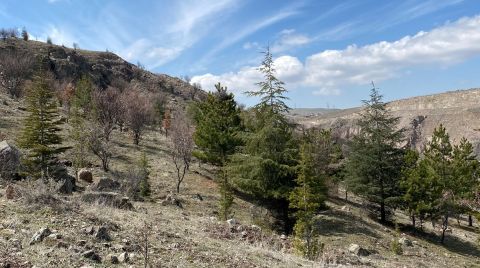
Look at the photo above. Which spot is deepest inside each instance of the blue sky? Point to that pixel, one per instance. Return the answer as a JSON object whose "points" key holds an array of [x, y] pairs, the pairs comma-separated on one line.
{"points": [[327, 52]]}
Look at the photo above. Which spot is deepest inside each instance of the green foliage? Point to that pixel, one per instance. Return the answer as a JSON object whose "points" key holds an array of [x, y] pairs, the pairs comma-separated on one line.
{"points": [[49, 40], [226, 197], [374, 165], [144, 168], [218, 125], [271, 90], [306, 241], [77, 135], [83, 95], [395, 245], [39, 135], [25, 34]]}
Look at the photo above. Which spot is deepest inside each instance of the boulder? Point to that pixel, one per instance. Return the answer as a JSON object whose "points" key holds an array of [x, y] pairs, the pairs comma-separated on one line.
{"points": [[357, 250], [112, 259], [85, 175], [9, 161], [67, 185], [40, 235], [108, 199], [405, 242], [232, 222], [171, 200], [105, 185]]}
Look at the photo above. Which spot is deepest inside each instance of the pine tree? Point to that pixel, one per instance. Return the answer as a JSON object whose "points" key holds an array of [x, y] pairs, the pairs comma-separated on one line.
{"points": [[444, 186], [25, 34], [310, 191], [272, 91], [83, 95], [265, 167], [217, 136], [466, 168], [418, 198], [40, 135], [374, 161], [80, 140], [218, 126], [144, 167]]}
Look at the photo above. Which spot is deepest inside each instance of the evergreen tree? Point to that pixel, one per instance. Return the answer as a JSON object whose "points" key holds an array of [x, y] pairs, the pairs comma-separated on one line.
{"points": [[80, 140], [375, 159], [272, 90], [40, 133], [24, 34], [144, 168], [265, 167], [418, 198], [83, 95], [218, 126], [310, 191], [217, 136], [444, 186], [466, 168]]}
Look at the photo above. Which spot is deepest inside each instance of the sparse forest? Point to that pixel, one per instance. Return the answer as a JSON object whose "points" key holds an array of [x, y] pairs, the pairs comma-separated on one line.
{"points": [[146, 170]]}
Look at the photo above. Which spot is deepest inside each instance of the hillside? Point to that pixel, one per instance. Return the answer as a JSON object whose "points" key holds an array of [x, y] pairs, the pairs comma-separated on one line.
{"points": [[104, 68], [458, 111], [101, 225], [183, 230]]}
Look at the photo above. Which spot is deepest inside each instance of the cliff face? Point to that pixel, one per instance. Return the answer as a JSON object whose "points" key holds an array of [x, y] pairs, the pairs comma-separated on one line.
{"points": [[458, 111], [104, 68]]}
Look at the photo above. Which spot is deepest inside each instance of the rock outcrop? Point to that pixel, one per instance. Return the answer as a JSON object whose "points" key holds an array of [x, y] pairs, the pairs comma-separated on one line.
{"points": [[458, 111]]}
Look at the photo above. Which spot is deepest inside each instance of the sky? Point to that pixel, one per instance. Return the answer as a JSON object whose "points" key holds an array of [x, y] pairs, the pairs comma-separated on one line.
{"points": [[327, 52]]}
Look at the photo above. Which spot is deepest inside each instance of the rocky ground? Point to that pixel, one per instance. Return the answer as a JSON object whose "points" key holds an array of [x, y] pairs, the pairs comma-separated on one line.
{"points": [[98, 226]]}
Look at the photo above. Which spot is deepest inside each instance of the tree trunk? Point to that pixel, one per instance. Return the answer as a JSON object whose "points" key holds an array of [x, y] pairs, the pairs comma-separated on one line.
{"points": [[178, 186], [383, 217], [346, 195], [444, 228], [413, 221], [470, 220]]}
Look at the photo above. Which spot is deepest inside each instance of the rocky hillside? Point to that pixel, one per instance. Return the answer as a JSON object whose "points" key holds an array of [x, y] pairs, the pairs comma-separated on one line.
{"points": [[458, 111], [105, 68]]}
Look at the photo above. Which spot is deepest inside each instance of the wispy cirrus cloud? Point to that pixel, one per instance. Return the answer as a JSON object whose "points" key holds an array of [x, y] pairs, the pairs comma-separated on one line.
{"points": [[325, 72]]}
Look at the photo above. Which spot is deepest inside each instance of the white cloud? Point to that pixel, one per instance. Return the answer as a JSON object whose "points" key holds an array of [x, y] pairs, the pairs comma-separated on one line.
{"points": [[151, 56], [325, 72], [289, 39], [59, 36]]}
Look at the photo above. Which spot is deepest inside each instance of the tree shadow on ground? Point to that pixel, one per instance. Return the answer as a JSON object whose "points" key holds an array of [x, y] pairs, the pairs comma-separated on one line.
{"points": [[332, 223], [451, 243]]}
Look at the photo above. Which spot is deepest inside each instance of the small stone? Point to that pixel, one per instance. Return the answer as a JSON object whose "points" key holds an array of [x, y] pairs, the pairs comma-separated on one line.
{"points": [[283, 237], [123, 258], [85, 175], [232, 222], [82, 243], [92, 255], [112, 259], [102, 234], [9, 192], [244, 234], [89, 230], [54, 236], [357, 250], [40, 235], [405, 241], [62, 244]]}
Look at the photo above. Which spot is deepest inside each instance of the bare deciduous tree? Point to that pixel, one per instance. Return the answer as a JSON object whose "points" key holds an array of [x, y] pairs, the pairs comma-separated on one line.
{"points": [[182, 143], [14, 69], [99, 146], [108, 109], [138, 112]]}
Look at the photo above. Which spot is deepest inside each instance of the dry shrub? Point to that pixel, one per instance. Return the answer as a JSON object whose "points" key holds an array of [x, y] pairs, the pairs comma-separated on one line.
{"points": [[252, 235], [7, 259], [38, 194]]}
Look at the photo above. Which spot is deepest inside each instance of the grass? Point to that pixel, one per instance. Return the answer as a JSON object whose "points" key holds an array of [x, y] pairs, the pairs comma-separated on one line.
{"points": [[192, 236]]}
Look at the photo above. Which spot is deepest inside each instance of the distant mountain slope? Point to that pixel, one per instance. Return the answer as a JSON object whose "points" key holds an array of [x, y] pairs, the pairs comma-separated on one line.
{"points": [[458, 111], [104, 68]]}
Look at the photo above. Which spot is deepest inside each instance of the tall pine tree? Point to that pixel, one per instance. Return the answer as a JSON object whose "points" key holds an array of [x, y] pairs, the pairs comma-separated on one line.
{"points": [[265, 167], [375, 160], [40, 135]]}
